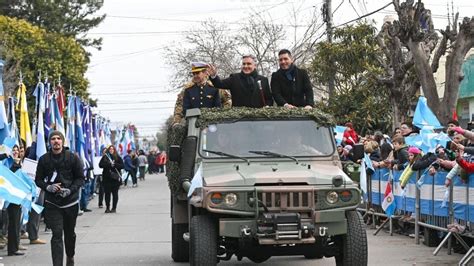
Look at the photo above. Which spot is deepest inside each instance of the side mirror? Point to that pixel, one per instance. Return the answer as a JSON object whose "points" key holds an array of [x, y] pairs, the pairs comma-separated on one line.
{"points": [[358, 151], [174, 153]]}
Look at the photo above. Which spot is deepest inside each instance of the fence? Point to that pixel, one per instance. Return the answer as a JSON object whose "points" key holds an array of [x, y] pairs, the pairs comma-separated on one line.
{"points": [[427, 206]]}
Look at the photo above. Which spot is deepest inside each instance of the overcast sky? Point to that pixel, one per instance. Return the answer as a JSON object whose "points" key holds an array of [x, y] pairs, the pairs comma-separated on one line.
{"points": [[129, 76]]}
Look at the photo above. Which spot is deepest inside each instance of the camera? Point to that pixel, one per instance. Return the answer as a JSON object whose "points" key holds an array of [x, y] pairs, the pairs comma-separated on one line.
{"points": [[435, 165]]}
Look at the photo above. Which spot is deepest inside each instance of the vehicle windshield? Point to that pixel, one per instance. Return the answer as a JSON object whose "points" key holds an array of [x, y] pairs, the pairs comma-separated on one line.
{"points": [[296, 138]]}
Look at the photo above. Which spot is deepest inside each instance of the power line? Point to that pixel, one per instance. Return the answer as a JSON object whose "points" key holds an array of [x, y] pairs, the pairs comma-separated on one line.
{"points": [[353, 7], [366, 15]]}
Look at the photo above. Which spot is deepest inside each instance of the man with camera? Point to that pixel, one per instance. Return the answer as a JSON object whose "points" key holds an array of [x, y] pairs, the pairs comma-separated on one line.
{"points": [[60, 174]]}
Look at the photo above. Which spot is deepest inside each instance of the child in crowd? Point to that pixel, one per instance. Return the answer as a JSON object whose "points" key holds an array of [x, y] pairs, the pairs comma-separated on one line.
{"points": [[414, 154]]}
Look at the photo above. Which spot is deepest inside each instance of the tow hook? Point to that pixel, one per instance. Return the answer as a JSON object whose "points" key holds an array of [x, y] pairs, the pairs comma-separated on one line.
{"points": [[246, 231], [322, 231]]}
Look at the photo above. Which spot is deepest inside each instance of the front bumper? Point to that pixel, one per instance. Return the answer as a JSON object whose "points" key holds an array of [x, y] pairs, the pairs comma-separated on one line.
{"points": [[322, 224]]}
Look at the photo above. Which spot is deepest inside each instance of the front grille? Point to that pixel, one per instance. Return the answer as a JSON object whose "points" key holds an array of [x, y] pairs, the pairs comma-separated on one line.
{"points": [[291, 201]]}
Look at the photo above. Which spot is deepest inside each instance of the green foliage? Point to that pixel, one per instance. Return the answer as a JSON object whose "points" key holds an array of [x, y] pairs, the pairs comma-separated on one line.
{"points": [[219, 115], [70, 18], [36, 49], [352, 59]]}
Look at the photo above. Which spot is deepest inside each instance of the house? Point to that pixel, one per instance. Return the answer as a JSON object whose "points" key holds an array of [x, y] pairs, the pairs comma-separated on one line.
{"points": [[465, 107]]}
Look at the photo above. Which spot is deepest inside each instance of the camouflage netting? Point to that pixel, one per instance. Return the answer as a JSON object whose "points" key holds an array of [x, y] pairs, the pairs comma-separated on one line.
{"points": [[176, 136], [217, 115], [209, 116]]}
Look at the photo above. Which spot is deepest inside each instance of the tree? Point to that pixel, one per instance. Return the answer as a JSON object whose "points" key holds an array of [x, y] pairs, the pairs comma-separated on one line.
{"points": [[261, 39], [399, 76], [162, 135], [70, 18], [415, 31], [357, 97], [29, 48], [209, 43]]}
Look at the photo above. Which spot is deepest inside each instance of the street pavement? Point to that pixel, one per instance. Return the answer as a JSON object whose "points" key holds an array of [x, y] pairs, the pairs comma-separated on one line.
{"points": [[139, 234]]}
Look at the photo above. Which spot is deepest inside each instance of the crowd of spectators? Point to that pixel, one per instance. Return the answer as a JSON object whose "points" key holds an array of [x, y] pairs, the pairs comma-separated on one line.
{"points": [[392, 152]]}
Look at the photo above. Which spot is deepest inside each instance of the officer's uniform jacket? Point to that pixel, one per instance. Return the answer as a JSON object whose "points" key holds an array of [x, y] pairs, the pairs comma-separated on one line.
{"points": [[200, 96]]}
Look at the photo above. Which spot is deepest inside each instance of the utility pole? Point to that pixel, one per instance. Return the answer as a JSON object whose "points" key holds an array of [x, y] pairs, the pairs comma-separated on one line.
{"points": [[327, 16]]}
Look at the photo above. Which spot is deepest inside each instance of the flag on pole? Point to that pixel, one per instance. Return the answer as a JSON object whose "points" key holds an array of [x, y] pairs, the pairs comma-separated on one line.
{"points": [[368, 162], [424, 116], [363, 179], [4, 130], [14, 134], [25, 128], [455, 114], [71, 115], [40, 134], [388, 204]]}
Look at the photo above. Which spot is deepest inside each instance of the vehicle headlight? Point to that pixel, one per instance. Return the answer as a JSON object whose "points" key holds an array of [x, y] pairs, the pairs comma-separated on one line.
{"points": [[332, 197], [230, 199]]}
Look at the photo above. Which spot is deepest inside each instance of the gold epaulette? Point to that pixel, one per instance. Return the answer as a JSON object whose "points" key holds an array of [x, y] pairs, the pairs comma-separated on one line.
{"points": [[188, 85], [210, 83]]}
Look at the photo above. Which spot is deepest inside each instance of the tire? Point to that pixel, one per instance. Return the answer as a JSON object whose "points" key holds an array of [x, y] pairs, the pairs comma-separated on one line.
{"points": [[179, 247], [353, 245], [203, 241]]}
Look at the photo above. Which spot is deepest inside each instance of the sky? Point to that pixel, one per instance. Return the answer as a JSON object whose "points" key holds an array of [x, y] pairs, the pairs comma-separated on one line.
{"points": [[129, 76]]}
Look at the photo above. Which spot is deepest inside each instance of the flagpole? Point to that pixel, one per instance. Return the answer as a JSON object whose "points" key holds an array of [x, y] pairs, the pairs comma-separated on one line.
{"points": [[417, 211]]}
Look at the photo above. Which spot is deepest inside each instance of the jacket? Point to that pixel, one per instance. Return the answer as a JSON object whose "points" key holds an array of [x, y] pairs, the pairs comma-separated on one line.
{"points": [[297, 92], [69, 172], [142, 160], [107, 167], [204, 96], [425, 161], [243, 94], [350, 137], [400, 157], [128, 163]]}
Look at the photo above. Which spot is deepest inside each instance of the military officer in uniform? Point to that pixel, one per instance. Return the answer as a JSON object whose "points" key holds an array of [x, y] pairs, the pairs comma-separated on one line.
{"points": [[201, 94], [179, 109]]}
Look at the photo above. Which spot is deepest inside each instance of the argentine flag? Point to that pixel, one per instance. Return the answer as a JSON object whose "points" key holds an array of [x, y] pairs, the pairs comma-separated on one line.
{"points": [[12, 188], [339, 130], [388, 204], [424, 116]]}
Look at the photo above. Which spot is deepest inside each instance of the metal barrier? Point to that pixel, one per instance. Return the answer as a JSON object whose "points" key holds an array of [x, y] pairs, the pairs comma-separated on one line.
{"points": [[425, 203]]}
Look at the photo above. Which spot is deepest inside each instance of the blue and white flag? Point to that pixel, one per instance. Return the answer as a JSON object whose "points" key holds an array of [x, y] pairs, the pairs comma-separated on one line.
{"points": [[368, 162], [339, 130], [4, 130], [196, 182], [363, 179], [424, 116], [12, 188]]}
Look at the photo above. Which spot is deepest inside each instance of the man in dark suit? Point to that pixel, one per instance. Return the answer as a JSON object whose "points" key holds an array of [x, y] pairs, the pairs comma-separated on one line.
{"points": [[290, 85], [247, 88], [199, 93]]}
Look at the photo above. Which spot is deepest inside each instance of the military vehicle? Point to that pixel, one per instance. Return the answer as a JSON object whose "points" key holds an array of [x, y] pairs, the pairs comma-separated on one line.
{"points": [[258, 183]]}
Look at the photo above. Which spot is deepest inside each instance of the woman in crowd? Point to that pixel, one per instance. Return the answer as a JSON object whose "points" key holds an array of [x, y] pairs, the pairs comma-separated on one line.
{"points": [[111, 177], [14, 212], [350, 136], [142, 164]]}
